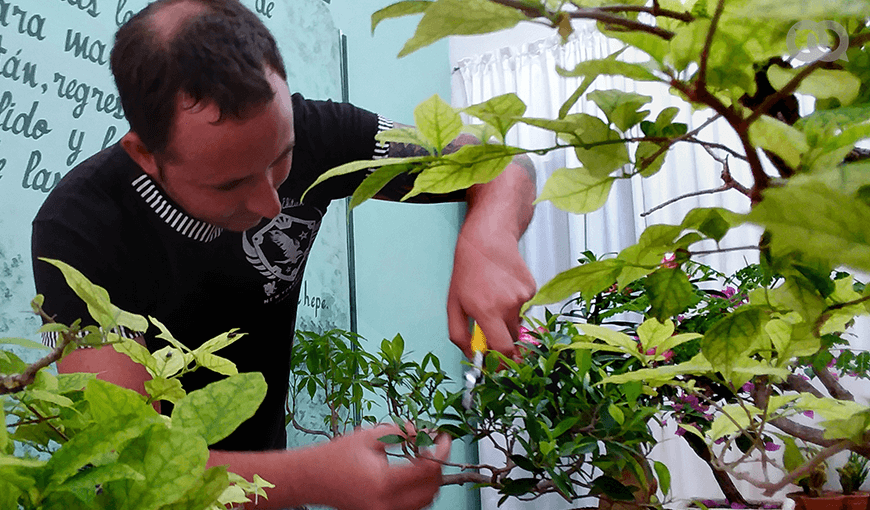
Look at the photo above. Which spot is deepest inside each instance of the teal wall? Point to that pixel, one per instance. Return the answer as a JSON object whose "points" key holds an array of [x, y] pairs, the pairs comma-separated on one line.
{"points": [[404, 252]]}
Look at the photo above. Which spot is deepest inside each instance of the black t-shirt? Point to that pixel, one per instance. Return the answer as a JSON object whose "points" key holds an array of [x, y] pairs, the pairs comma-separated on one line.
{"points": [[109, 220]]}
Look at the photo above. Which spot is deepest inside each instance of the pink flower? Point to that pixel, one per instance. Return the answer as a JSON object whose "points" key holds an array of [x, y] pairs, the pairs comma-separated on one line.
{"points": [[747, 387], [651, 351], [729, 292], [771, 446], [809, 414], [526, 336], [670, 261], [668, 355]]}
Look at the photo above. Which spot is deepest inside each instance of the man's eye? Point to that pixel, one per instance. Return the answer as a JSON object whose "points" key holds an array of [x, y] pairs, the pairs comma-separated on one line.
{"points": [[229, 186]]}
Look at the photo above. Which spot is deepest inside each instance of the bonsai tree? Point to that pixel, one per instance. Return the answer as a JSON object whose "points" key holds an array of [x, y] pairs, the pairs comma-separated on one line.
{"points": [[808, 190], [72, 441]]}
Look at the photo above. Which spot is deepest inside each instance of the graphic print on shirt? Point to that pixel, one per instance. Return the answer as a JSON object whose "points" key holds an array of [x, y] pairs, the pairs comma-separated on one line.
{"points": [[279, 249]]}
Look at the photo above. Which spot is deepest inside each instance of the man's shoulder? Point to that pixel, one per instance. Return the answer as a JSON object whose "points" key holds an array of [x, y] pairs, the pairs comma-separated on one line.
{"points": [[97, 185]]}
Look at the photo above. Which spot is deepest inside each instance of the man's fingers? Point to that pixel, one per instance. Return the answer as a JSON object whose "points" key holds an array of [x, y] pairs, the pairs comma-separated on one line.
{"points": [[457, 326], [498, 336]]}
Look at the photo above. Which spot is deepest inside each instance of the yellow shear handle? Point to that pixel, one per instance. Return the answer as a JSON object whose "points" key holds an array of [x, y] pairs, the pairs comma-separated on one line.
{"points": [[478, 339]]}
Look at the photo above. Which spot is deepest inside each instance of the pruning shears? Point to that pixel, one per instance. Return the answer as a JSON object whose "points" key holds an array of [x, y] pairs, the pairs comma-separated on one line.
{"points": [[474, 375]]}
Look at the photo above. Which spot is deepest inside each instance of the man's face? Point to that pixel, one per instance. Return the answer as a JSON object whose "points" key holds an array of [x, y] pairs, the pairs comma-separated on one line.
{"points": [[227, 173]]}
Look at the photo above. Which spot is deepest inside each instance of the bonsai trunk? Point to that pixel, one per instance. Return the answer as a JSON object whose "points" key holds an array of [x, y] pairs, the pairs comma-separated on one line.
{"points": [[722, 479]]}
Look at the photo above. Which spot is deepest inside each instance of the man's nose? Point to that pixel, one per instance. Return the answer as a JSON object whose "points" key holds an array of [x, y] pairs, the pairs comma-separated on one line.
{"points": [[264, 199]]}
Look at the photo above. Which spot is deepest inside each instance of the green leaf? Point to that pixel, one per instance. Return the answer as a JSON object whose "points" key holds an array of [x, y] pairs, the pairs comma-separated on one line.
{"points": [[669, 292], [392, 439], [652, 333], [101, 309], [398, 10], [621, 108], [205, 491], [575, 96], [612, 488], [23, 342], [95, 443], [818, 221], [796, 10], [216, 363], [471, 164], [356, 166], [406, 135], [172, 462], [217, 409], [661, 375], [616, 413], [779, 138], [438, 122], [501, 112], [664, 476], [609, 66], [168, 361], [713, 222], [727, 341], [375, 182], [588, 279], [598, 147], [219, 342], [460, 17], [106, 402], [576, 190], [821, 83], [731, 419], [161, 388], [136, 352], [646, 166], [611, 337], [48, 396]]}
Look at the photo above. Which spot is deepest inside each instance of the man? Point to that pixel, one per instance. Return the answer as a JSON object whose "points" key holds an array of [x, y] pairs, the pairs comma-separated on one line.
{"points": [[195, 218]]}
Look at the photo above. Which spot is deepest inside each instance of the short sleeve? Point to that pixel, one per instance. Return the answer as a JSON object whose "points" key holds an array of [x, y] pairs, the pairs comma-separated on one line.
{"points": [[330, 134]]}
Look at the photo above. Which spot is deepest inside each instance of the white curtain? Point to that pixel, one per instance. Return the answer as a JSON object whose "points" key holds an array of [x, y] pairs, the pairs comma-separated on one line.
{"points": [[555, 239]]}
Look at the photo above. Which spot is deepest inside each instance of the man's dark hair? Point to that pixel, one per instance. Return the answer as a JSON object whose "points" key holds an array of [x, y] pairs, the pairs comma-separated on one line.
{"points": [[219, 54]]}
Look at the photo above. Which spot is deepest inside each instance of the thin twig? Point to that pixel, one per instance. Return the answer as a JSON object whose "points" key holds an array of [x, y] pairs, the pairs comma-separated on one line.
{"points": [[723, 250], [45, 420], [705, 53], [654, 10]]}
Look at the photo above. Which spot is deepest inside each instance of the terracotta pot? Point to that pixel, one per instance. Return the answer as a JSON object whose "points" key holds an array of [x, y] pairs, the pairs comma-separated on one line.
{"points": [[827, 501], [856, 501]]}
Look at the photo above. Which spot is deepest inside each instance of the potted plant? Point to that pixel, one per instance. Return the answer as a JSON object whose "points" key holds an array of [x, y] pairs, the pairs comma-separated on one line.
{"points": [[72, 441], [807, 183], [852, 475]]}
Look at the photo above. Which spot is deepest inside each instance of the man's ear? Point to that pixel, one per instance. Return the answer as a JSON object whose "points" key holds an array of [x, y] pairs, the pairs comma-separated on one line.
{"points": [[134, 147]]}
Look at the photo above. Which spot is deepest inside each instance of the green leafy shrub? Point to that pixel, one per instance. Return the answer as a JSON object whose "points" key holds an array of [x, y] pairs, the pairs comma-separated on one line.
{"points": [[72, 441]]}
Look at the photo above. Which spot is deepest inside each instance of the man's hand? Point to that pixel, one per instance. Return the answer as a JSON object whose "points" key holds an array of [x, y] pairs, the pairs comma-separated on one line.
{"points": [[368, 481], [491, 281]]}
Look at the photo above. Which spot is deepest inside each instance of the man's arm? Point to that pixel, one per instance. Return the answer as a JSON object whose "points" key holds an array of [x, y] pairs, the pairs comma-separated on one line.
{"points": [[348, 473], [490, 280]]}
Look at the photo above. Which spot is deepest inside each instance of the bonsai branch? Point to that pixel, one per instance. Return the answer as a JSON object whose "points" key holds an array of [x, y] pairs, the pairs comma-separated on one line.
{"points": [[833, 386], [729, 183], [705, 53], [591, 13]]}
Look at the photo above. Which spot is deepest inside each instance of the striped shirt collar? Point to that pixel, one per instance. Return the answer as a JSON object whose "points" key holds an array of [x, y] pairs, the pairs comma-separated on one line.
{"points": [[173, 216]]}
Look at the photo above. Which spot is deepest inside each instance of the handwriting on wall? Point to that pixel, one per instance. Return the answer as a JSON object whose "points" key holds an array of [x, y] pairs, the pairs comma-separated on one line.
{"points": [[58, 103]]}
